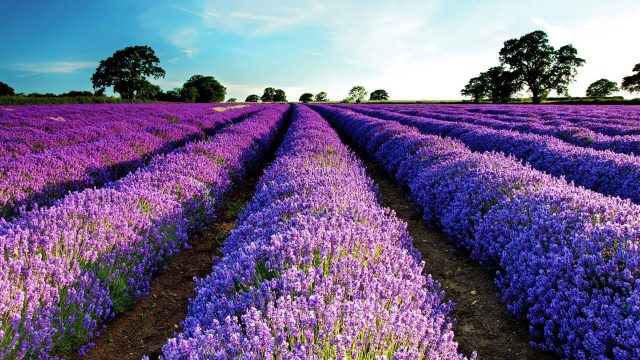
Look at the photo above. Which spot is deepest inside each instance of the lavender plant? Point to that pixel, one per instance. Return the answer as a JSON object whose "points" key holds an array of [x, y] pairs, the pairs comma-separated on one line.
{"points": [[566, 258], [316, 269], [66, 269]]}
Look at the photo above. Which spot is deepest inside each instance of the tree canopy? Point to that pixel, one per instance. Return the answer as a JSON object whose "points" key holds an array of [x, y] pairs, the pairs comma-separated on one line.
{"points": [[496, 84], [379, 94], [148, 91], [127, 70], [204, 89], [321, 96], [273, 95], [268, 95], [280, 96], [174, 95], [252, 98], [539, 66], [602, 88], [232, 100], [357, 93], [476, 88], [631, 83], [6, 89], [306, 97]]}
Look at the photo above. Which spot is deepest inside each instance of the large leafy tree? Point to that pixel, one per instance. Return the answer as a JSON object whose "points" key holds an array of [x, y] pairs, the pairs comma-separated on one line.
{"points": [[306, 97], [539, 66], [496, 84], [127, 70], [252, 98], [476, 89], [268, 95], [148, 91], [500, 84], [280, 96], [6, 89], [189, 94], [207, 89], [357, 93], [631, 83], [379, 95], [602, 88], [321, 96]]}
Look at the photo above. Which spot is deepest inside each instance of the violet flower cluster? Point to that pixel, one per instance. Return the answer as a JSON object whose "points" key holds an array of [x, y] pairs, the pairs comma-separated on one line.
{"points": [[43, 177], [566, 258], [68, 268], [605, 172], [31, 129], [573, 133], [606, 120], [316, 269]]}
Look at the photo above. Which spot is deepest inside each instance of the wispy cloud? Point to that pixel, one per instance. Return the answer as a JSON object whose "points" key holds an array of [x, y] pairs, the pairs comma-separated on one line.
{"points": [[260, 18], [202, 14], [52, 67], [185, 40]]}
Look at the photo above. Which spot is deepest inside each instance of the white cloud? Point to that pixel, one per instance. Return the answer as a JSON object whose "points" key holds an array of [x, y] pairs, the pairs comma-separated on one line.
{"points": [[52, 67], [258, 18], [185, 39]]}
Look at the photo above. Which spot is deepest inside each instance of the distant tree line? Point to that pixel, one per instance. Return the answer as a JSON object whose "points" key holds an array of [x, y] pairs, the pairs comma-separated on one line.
{"points": [[527, 63]]}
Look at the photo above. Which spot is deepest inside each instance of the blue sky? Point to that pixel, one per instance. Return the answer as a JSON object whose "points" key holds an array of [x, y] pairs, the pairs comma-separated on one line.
{"points": [[414, 49]]}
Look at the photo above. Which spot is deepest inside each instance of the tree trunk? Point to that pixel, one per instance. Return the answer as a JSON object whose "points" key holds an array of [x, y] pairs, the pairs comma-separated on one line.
{"points": [[536, 97]]}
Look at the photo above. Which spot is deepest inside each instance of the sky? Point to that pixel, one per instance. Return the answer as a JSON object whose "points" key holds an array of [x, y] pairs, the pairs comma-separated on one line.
{"points": [[414, 49]]}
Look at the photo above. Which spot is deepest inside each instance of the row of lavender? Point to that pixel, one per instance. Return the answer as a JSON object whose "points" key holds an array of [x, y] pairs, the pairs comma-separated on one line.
{"points": [[572, 133], [316, 269], [29, 129], [67, 268], [602, 171], [607, 120], [41, 178], [566, 258]]}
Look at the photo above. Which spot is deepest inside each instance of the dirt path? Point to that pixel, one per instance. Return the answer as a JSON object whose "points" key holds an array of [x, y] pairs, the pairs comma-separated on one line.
{"points": [[144, 328], [484, 325]]}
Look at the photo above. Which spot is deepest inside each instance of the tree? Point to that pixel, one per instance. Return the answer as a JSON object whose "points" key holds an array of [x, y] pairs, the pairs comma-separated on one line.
{"points": [[500, 84], [631, 83], [207, 89], [602, 88], [476, 88], [173, 95], [496, 84], [280, 96], [268, 95], [321, 97], [306, 97], [6, 90], [539, 66], [75, 93], [252, 98], [379, 95], [148, 91], [232, 100], [357, 93], [127, 69], [189, 94]]}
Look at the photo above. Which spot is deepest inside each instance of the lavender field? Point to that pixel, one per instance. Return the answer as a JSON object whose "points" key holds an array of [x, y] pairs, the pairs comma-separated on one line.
{"points": [[99, 201]]}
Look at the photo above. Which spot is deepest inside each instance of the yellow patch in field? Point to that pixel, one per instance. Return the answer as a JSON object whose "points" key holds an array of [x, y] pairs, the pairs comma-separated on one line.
{"points": [[225, 108]]}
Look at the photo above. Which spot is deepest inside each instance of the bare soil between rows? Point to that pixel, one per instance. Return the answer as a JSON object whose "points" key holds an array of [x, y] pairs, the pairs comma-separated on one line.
{"points": [[483, 322], [145, 328]]}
